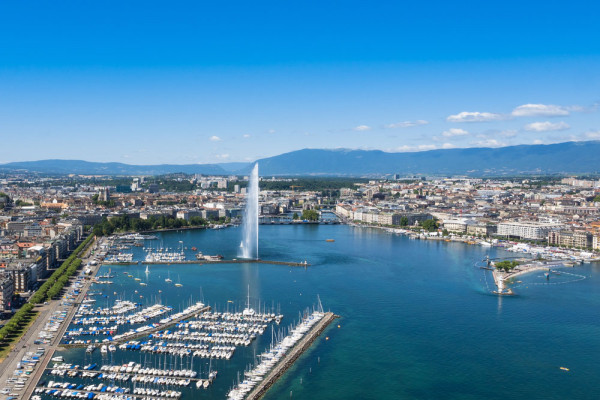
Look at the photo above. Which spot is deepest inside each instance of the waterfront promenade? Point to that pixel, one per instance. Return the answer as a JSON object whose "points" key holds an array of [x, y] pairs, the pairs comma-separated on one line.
{"points": [[27, 344]]}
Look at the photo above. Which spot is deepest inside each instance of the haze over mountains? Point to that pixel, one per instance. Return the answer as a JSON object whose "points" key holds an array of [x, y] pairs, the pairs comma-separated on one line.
{"points": [[568, 157]]}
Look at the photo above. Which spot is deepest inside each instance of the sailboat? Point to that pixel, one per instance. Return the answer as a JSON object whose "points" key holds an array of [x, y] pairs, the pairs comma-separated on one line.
{"points": [[178, 284], [169, 280], [248, 311], [147, 271]]}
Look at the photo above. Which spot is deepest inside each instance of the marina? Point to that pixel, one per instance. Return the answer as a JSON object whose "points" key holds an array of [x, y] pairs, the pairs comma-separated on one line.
{"points": [[341, 268], [208, 335], [171, 345]]}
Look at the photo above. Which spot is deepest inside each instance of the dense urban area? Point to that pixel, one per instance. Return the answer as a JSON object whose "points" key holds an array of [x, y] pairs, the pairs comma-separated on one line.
{"points": [[44, 219]]}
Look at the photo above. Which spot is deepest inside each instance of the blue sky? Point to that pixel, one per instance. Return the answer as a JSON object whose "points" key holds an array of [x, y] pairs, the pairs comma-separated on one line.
{"points": [[186, 82]]}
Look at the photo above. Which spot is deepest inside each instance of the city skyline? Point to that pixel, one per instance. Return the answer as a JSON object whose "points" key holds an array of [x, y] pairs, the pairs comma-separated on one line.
{"points": [[209, 84]]}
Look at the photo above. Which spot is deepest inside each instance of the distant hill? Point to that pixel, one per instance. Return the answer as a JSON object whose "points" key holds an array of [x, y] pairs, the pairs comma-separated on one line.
{"points": [[111, 168], [568, 157]]}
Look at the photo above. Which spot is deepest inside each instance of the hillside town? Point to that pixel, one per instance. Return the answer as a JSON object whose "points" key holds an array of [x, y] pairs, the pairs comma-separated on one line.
{"points": [[43, 219]]}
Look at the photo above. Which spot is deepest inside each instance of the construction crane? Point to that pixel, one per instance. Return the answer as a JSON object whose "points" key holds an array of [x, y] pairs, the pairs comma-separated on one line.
{"points": [[294, 187]]}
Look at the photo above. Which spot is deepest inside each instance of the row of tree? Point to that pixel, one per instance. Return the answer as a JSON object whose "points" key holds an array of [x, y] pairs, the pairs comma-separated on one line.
{"points": [[60, 277], [16, 322], [51, 288], [125, 223]]}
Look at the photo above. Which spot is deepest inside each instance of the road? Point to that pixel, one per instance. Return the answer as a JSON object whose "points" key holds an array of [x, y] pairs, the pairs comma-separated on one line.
{"points": [[26, 343]]}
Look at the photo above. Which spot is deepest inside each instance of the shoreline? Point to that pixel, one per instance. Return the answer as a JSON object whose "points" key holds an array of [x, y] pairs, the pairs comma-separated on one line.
{"points": [[504, 244]]}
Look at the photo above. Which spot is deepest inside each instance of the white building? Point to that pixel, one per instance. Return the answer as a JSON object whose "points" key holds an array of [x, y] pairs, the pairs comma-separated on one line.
{"points": [[455, 225], [527, 230]]}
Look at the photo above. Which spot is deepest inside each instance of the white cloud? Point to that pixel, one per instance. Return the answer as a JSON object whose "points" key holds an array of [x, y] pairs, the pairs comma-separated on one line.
{"points": [[361, 128], [454, 132], [546, 126], [593, 135], [474, 116], [246, 136], [222, 156], [215, 138], [538, 141], [406, 124], [422, 147], [404, 148], [539, 110], [271, 131], [489, 143]]}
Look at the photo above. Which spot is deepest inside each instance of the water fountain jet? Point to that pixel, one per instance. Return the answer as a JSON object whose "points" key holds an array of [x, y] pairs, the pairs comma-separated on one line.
{"points": [[249, 245]]}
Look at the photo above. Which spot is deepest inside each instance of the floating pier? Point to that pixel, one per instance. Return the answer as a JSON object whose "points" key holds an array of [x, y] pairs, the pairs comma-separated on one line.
{"points": [[289, 359], [132, 335], [121, 394]]}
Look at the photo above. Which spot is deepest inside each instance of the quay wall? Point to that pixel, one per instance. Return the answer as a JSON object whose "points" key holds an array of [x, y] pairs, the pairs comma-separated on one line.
{"points": [[290, 264], [291, 357]]}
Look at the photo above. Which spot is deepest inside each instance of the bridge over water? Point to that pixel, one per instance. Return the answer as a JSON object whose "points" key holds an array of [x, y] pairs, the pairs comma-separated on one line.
{"points": [[287, 220]]}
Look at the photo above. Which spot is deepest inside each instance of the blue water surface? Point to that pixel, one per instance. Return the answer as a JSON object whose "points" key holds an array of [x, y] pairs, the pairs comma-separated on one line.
{"points": [[417, 318]]}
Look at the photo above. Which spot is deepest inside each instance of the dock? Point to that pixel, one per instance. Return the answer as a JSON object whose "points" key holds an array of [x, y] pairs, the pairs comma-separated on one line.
{"points": [[128, 395], [257, 261], [291, 357], [125, 337], [139, 375]]}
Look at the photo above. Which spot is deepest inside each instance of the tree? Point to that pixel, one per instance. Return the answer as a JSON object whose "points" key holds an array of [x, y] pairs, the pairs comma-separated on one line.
{"points": [[430, 225], [21, 203], [403, 221], [295, 216], [310, 215], [506, 265], [597, 199]]}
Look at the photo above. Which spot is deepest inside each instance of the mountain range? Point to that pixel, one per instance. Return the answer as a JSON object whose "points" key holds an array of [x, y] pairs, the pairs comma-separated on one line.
{"points": [[567, 157]]}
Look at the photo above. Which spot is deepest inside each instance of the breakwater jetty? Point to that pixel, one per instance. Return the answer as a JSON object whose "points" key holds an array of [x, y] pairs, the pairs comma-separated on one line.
{"points": [[288, 360], [256, 261]]}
